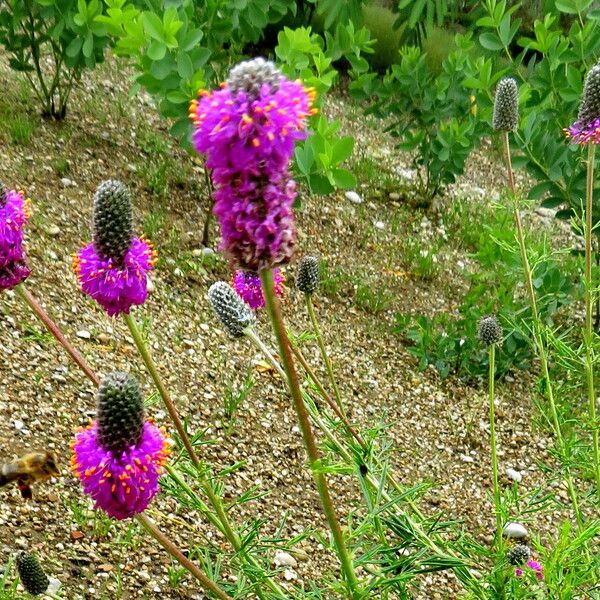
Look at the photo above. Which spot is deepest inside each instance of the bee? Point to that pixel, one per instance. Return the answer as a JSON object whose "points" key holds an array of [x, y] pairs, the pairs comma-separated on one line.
{"points": [[31, 468]]}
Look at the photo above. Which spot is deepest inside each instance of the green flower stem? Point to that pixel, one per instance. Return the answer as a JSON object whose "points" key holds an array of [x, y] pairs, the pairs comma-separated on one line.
{"points": [[273, 308], [436, 547], [51, 326], [589, 332], [315, 325], [494, 454], [335, 407], [214, 499], [538, 336], [178, 555]]}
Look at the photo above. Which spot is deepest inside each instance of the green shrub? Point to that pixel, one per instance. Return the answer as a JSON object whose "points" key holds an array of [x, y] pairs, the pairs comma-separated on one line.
{"points": [[437, 46], [435, 117], [380, 23], [65, 31]]}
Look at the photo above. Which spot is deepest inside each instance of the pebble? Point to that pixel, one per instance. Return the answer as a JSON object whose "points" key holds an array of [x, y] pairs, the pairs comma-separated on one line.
{"points": [[466, 458], [354, 197], [515, 531], [379, 224], [207, 251], [150, 286], [67, 182], [18, 424], [407, 174], [284, 559], [54, 230], [514, 475], [394, 196], [84, 334]]}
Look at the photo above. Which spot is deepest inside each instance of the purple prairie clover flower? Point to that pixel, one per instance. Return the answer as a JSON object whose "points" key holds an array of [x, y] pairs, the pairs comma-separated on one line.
{"points": [[114, 268], [535, 566], [14, 212], [587, 127], [247, 130], [248, 286], [116, 287], [120, 456]]}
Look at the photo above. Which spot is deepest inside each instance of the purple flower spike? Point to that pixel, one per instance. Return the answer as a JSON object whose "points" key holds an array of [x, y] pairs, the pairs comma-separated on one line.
{"points": [[586, 129], [121, 486], [14, 273], [249, 287], [535, 566], [14, 212], [116, 287], [247, 130]]}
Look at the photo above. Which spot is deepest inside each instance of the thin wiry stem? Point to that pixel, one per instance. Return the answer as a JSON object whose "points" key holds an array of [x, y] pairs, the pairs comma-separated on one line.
{"points": [[538, 336], [51, 326], [315, 325], [150, 526], [310, 443], [589, 331], [494, 453]]}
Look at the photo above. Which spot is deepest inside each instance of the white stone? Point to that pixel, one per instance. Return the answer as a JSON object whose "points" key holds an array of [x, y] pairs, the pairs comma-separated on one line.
{"points": [[54, 230], [67, 182], [354, 197], [18, 424], [379, 224], [284, 559], [150, 285], [84, 334], [515, 531], [394, 196], [514, 475], [407, 174]]}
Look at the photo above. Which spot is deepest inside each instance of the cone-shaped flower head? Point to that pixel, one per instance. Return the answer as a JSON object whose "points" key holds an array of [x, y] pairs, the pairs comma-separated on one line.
{"points": [[248, 285], [506, 105], [489, 330], [247, 130], [120, 456], [235, 315], [32, 574], [518, 555], [14, 212], [587, 127], [112, 221], [308, 278], [250, 76], [114, 268]]}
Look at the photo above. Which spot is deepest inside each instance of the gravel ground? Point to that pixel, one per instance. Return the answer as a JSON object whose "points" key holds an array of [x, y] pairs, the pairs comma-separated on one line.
{"points": [[438, 429]]}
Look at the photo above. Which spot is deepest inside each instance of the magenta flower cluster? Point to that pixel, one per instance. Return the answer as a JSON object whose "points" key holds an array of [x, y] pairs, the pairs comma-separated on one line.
{"points": [[14, 212], [122, 485], [248, 137], [578, 133], [248, 286], [535, 566], [116, 287]]}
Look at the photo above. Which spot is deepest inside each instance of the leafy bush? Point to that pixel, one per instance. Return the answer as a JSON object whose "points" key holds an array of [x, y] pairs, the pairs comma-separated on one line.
{"points": [[550, 69], [380, 23], [450, 343], [435, 116], [65, 31], [178, 50]]}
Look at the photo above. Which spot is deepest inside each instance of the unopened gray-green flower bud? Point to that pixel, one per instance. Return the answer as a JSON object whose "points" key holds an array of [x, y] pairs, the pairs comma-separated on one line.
{"points": [[506, 105], [518, 555], [307, 280], [32, 574], [250, 75], [489, 330], [120, 412], [112, 221], [232, 311], [589, 110]]}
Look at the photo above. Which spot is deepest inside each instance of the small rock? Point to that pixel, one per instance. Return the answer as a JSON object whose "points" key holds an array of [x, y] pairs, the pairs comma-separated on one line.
{"points": [[84, 334], [103, 338], [283, 559], [290, 574], [198, 252], [379, 224], [466, 458], [207, 251], [150, 286], [407, 174], [515, 531], [394, 196], [67, 182], [514, 475], [77, 535], [54, 230], [354, 197], [18, 424]]}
